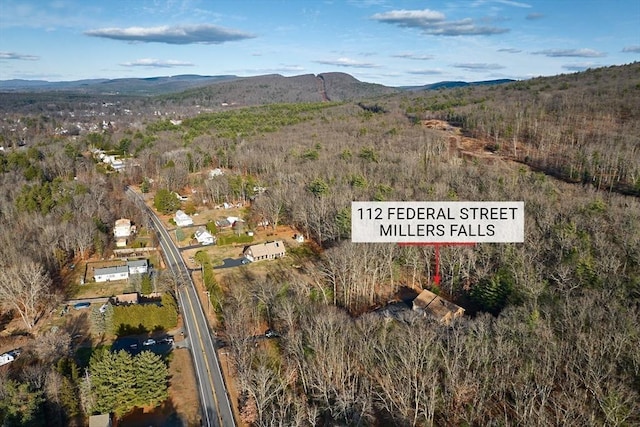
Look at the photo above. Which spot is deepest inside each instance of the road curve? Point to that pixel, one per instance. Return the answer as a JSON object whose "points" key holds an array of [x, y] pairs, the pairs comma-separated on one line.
{"points": [[214, 399]]}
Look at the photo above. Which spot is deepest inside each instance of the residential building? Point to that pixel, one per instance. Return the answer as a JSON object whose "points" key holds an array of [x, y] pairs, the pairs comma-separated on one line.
{"points": [[432, 305], [182, 219], [107, 274], [204, 237], [138, 266], [122, 228], [262, 251], [122, 231]]}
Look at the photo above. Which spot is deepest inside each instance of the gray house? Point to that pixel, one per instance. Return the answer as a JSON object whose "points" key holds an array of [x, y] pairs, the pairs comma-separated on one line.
{"points": [[106, 274]]}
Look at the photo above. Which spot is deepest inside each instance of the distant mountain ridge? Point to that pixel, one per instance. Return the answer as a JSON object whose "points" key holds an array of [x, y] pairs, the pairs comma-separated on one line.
{"points": [[341, 85], [123, 86], [454, 84]]}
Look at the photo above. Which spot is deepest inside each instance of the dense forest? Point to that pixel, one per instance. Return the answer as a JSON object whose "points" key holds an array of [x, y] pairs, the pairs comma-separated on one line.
{"points": [[552, 333]]}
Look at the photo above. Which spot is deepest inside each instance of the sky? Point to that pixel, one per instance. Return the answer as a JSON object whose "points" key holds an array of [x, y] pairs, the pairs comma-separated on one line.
{"points": [[390, 42]]}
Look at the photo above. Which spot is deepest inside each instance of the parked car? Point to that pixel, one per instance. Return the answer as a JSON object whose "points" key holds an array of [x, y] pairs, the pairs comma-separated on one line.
{"points": [[149, 341]]}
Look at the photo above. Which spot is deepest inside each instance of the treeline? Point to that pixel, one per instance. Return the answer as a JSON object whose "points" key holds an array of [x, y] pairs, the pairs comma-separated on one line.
{"points": [[581, 127]]}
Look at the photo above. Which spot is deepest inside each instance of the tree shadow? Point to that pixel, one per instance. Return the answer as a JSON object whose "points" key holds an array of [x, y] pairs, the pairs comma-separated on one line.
{"points": [[5, 319], [165, 415]]}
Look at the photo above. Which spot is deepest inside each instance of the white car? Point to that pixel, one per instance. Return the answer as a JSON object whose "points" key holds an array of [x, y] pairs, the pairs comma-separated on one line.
{"points": [[149, 341]]}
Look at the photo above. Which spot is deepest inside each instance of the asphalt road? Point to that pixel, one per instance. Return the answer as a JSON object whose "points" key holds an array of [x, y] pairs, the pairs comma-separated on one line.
{"points": [[214, 399]]}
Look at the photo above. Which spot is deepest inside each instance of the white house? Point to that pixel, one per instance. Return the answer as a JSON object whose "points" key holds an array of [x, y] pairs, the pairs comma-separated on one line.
{"points": [[106, 274], [122, 231], [262, 251], [138, 266], [204, 237], [182, 219], [122, 228]]}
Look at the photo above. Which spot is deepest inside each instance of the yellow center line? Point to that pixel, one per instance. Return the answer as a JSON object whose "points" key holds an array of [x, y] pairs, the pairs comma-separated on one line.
{"points": [[213, 389]]}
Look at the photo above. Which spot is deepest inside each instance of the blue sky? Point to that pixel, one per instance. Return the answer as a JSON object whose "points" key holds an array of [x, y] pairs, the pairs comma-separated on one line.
{"points": [[391, 42]]}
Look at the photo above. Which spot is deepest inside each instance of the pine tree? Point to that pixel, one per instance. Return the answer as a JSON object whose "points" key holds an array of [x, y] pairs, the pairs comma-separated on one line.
{"points": [[151, 379]]}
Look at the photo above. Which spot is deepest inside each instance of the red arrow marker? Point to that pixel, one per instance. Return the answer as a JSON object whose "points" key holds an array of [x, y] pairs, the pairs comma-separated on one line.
{"points": [[436, 277]]}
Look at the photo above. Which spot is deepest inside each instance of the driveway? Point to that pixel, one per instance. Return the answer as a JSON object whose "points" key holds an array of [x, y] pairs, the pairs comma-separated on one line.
{"points": [[232, 262]]}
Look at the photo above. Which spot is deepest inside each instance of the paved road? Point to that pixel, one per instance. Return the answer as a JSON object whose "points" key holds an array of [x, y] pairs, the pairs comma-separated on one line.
{"points": [[214, 399]]}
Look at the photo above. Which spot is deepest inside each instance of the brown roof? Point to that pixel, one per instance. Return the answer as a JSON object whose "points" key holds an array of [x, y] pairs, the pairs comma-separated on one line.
{"points": [[268, 248], [439, 308]]}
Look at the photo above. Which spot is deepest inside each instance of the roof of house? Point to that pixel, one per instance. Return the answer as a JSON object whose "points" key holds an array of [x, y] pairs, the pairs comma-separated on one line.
{"points": [[123, 222], [202, 233], [439, 308], [111, 270], [268, 248], [137, 262], [181, 215]]}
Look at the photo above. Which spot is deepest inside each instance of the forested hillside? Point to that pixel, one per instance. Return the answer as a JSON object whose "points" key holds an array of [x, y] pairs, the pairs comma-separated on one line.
{"points": [[552, 333]]}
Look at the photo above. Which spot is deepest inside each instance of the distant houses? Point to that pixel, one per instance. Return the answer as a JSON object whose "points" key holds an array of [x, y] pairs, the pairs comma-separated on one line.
{"points": [[182, 219], [264, 251]]}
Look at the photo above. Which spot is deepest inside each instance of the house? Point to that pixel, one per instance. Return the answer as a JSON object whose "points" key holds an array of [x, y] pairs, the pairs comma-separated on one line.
{"points": [[106, 274], [204, 237], [122, 228], [6, 358], [430, 304], [122, 231], [262, 251], [223, 223], [138, 266], [182, 219]]}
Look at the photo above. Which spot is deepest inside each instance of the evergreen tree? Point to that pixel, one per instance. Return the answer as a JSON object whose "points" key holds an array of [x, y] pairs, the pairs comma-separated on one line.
{"points": [[151, 379], [165, 201], [19, 406]]}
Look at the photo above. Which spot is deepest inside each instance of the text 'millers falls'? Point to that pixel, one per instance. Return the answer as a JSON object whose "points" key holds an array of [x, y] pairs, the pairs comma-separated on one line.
{"points": [[437, 222]]}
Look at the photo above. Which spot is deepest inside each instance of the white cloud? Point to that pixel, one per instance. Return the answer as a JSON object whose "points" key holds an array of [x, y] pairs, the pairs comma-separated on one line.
{"points": [[434, 23], [510, 50], [180, 34], [426, 72], [632, 49], [577, 53], [478, 66], [409, 55], [347, 62], [156, 63], [20, 56]]}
